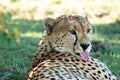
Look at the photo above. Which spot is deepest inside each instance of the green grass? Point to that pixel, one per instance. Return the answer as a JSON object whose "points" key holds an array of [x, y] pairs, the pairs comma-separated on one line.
{"points": [[109, 34], [21, 30]]}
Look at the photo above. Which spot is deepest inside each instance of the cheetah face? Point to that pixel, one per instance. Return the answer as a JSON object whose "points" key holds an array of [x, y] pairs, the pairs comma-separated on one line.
{"points": [[70, 34]]}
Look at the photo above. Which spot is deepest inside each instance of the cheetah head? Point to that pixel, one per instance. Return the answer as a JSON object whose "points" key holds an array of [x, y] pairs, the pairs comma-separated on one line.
{"points": [[71, 34]]}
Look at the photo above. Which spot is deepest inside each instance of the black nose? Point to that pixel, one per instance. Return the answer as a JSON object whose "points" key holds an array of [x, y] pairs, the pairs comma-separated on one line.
{"points": [[84, 45]]}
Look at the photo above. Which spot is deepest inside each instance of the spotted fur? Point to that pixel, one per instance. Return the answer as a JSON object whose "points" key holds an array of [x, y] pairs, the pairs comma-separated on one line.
{"points": [[57, 57]]}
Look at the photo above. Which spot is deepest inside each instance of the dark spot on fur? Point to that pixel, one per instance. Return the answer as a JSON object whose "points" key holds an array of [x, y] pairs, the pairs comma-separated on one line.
{"points": [[42, 42], [96, 65], [46, 46], [39, 66], [77, 60], [66, 59], [57, 52], [92, 59], [99, 72], [46, 77], [58, 46], [83, 64], [38, 71], [42, 76], [77, 63], [89, 64], [72, 60], [93, 68], [98, 78], [103, 70], [105, 76], [94, 73], [69, 54], [86, 71], [88, 68], [81, 68], [45, 50], [101, 65], [52, 78], [83, 60], [93, 77], [39, 60], [37, 53], [60, 59], [35, 70], [56, 56], [39, 50], [53, 59], [33, 65], [109, 74], [62, 55], [42, 55]]}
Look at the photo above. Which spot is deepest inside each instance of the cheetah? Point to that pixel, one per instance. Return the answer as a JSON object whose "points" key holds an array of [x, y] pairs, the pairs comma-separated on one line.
{"points": [[64, 52]]}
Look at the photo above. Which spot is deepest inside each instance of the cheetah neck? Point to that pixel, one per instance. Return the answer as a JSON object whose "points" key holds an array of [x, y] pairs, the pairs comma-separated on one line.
{"points": [[43, 48], [44, 44]]}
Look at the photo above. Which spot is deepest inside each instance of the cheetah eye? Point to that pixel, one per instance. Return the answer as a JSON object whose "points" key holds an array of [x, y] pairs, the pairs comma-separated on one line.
{"points": [[72, 31], [89, 30]]}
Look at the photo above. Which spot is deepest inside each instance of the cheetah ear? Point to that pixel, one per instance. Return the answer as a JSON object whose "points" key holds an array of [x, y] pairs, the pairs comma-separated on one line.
{"points": [[48, 24]]}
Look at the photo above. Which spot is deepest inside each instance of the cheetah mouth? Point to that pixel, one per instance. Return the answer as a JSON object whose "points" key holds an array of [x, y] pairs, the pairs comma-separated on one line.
{"points": [[84, 55]]}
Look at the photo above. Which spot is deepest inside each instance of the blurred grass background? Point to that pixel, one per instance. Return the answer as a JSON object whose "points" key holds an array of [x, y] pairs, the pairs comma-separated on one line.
{"points": [[21, 29]]}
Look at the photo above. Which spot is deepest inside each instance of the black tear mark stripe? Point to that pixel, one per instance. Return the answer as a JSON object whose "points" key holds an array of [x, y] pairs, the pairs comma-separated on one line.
{"points": [[75, 39]]}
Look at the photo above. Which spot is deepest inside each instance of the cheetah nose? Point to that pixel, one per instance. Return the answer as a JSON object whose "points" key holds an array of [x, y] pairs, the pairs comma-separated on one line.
{"points": [[84, 45]]}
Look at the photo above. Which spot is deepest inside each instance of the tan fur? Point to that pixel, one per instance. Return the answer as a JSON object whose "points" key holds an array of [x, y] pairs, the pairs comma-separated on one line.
{"points": [[56, 57]]}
